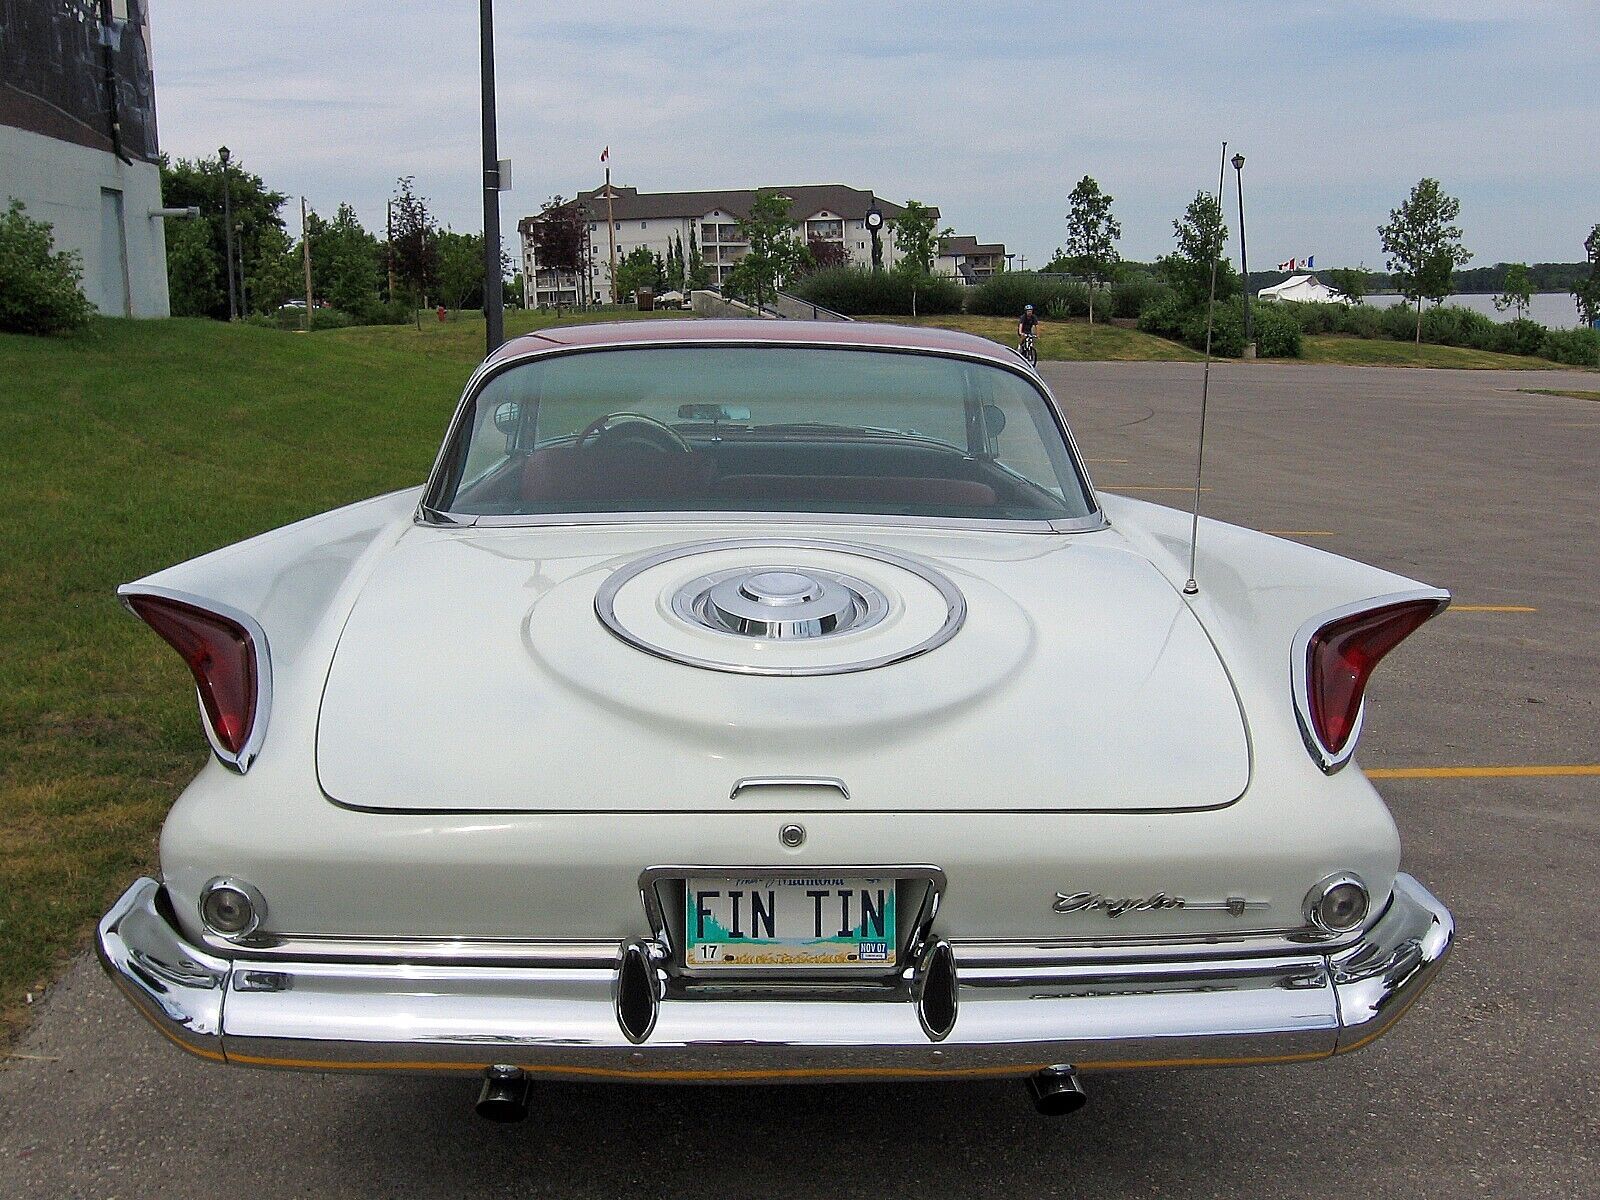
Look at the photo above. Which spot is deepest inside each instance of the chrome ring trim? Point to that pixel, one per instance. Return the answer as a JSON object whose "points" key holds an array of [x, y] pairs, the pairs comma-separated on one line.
{"points": [[605, 598], [251, 893], [696, 603], [1320, 889], [247, 754], [1299, 670], [429, 514]]}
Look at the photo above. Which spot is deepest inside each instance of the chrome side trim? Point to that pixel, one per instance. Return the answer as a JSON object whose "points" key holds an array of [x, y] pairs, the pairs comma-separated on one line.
{"points": [[241, 761], [788, 781], [955, 604], [1299, 670], [563, 1022], [428, 511]]}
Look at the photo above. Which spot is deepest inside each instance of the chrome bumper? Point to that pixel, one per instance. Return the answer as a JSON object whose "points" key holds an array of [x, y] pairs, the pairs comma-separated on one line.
{"points": [[563, 1020]]}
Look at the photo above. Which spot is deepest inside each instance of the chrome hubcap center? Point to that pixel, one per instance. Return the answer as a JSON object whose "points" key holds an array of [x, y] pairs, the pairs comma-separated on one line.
{"points": [[780, 603]]}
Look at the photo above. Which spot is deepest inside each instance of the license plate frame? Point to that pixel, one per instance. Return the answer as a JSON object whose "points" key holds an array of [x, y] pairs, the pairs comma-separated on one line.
{"points": [[918, 889]]}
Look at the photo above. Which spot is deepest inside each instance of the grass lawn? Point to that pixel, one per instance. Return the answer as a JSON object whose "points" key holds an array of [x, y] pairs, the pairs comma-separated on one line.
{"points": [[1067, 341], [1574, 393], [1377, 352]]}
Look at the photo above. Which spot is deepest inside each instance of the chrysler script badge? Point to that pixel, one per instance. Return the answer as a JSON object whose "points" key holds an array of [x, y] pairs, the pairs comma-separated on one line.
{"points": [[1082, 902]]}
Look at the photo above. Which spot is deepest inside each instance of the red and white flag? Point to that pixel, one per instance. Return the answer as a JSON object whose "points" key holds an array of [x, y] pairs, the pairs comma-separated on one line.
{"points": [[605, 155]]}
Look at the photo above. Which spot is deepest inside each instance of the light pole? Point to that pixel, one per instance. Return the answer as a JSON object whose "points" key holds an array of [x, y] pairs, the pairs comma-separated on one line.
{"points": [[227, 230], [1244, 261], [1009, 257], [494, 316], [874, 225]]}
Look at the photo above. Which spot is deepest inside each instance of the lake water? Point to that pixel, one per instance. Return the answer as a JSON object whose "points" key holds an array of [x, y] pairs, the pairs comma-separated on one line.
{"points": [[1554, 310]]}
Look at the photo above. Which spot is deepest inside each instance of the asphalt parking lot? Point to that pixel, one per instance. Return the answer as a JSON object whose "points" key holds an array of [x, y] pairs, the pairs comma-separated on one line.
{"points": [[1488, 1087]]}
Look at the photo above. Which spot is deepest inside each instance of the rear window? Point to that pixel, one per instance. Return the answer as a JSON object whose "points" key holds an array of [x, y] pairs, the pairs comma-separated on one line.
{"points": [[761, 429]]}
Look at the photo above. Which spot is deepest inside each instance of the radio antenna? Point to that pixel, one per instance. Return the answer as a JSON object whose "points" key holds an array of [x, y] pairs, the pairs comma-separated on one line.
{"points": [[1191, 587]]}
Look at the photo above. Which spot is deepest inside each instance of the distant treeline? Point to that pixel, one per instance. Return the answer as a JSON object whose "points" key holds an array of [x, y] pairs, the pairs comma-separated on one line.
{"points": [[1545, 277]]}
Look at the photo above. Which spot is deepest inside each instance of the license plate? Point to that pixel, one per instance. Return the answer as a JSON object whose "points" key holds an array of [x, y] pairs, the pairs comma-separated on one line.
{"points": [[834, 921]]}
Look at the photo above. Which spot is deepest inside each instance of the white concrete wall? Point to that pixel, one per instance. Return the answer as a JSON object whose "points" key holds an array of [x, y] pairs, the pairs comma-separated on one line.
{"points": [[62, 183]]}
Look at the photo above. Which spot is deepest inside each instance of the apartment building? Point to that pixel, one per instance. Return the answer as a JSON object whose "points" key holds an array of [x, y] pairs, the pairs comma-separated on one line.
{"points": [[826, 213], [968, 260]]}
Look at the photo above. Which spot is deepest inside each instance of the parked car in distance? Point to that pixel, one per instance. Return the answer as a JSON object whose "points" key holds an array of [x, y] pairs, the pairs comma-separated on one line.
{"points": [[773, 701]]}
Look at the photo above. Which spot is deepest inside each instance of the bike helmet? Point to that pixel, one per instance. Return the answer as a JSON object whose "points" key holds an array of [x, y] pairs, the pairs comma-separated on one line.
{"points": [[1027, 308]]}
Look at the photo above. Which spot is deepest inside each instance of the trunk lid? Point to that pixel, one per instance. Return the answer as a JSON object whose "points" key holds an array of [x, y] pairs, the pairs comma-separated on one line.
{"points": [[474, 674]]}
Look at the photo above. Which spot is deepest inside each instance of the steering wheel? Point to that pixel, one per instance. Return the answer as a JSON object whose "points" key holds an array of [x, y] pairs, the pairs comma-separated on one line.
{"points": [[622, 427]]}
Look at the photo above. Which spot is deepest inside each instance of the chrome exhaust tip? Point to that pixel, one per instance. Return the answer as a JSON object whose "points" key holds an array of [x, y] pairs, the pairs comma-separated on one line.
{"points": [[504, 1097], [1056, 1091]]}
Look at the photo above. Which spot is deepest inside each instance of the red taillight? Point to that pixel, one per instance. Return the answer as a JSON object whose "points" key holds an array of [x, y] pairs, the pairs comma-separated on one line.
{"points": [[222, 657], [1340, 658]]}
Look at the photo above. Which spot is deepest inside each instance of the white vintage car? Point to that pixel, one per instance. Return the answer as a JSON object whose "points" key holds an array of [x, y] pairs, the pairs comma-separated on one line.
{"points": [[773, 701]]}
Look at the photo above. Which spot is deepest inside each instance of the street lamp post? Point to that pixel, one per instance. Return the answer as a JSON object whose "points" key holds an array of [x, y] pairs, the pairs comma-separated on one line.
{"points": [[227, 230], [874, 226], [1009, 257], [493, 290], [1244, 261]]}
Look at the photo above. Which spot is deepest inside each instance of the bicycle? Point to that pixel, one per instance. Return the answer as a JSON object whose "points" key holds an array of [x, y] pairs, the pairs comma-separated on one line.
{"points": [[1030, 349]]}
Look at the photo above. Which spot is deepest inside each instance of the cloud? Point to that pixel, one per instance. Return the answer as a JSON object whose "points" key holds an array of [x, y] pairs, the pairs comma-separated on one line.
{"points": [[990, 111]]}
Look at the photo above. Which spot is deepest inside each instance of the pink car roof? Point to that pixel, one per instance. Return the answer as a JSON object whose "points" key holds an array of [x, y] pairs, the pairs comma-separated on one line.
{"points": [[686, 332]]}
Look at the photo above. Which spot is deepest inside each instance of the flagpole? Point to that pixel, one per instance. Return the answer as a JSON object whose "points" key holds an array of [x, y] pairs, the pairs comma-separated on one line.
{"points": [[611, 231]]}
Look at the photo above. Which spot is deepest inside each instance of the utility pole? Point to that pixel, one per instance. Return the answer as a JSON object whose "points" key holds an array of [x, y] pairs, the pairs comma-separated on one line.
{"points": [[244, 301], [494, 300], [388, 222], [611, 232], [227, 233], [305, 250], [1244, 262]]}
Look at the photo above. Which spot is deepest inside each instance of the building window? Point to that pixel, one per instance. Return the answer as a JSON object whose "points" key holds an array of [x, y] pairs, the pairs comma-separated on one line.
{"points": [[642, 225]]}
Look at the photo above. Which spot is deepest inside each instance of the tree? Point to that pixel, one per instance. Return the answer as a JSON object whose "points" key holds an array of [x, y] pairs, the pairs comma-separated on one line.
{"points": [[194, 271], [346, 262], [41, 288], [460, 269], [827, 255], [561, 238], [276, 274], [639, 270], [415, 244], [1587, 291], [699, 272], [1518, 292], [916, 236], [1092, 234], [1202, 235], [1351, 281], [775, 252], [1424, 245], [255, 209]]}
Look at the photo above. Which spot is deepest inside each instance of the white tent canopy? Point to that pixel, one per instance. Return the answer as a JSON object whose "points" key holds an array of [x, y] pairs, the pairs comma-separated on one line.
{"points": [[1301, 289]]}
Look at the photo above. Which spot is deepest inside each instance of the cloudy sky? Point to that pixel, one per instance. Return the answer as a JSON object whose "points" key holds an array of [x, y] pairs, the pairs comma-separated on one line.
{"points": [[991, 111]]}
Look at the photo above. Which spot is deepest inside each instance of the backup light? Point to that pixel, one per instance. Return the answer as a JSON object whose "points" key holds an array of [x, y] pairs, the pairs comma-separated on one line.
{"points": [[1338, 904], [232, 907], [1334, 661]]}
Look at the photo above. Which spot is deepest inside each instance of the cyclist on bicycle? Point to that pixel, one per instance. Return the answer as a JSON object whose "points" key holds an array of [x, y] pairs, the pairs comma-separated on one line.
{"points": [[1027, 331]]}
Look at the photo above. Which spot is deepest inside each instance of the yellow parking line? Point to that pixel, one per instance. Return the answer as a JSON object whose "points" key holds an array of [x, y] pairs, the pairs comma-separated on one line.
{"points": [[1122, 461], [1135, 487], [1491, 608], [1530, 771]]}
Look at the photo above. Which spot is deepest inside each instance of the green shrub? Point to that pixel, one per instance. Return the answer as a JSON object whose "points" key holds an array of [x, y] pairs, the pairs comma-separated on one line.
{"points": [[1164, 315], [1070, 300], [293, 318], [1277, 332], [1005, 294], [1361, 320], [1576, 347], [1521, 336], [1451, 325], [1128, 297], [1309, 317], [857, 291], [41, 288], [1400, 322], [1227, 329]]}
